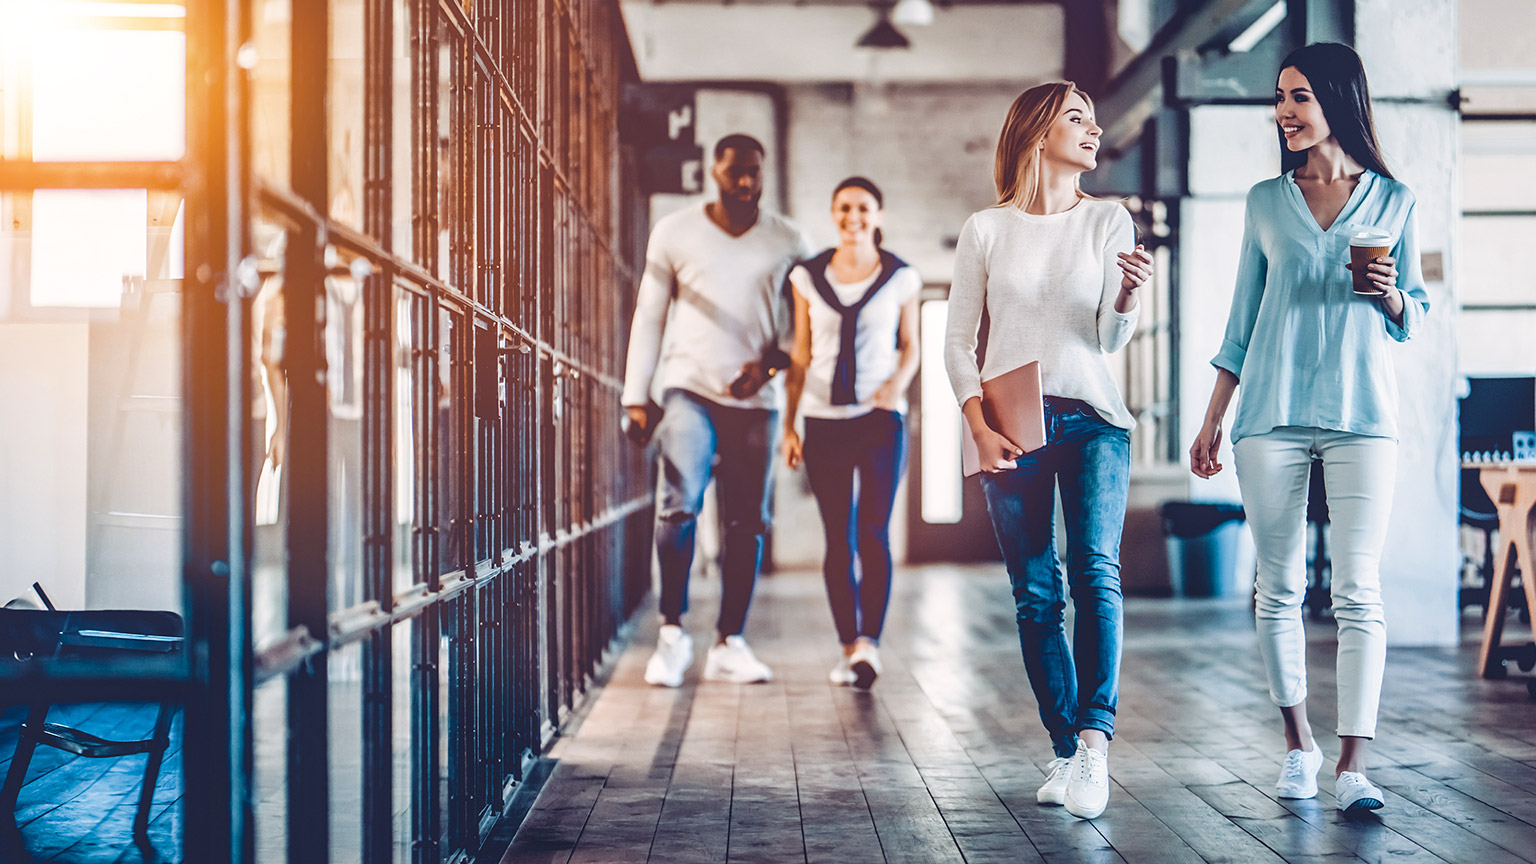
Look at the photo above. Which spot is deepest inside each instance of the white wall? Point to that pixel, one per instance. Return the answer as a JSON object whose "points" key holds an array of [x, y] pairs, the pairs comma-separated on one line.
{"points": [[43, 371]]}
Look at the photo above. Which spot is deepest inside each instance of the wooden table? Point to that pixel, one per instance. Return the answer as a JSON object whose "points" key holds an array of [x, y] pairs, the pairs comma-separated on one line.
{"points": [[1513, 490]]}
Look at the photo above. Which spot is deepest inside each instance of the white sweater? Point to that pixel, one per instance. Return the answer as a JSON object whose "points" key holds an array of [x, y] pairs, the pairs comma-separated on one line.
{"points": [[1049, 284], [729, 307]]}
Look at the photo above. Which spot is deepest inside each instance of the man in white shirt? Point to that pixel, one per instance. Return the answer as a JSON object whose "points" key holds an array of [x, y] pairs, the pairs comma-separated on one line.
{"points": [[710, 330]]}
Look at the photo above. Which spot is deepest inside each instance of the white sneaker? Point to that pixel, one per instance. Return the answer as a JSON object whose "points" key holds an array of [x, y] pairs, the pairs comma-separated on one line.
{"points": [[735, 663], [865, 664], [673, 656], [842, 674], [1088, 786], [1298, 776], [1356, 794], [1055, 789]]}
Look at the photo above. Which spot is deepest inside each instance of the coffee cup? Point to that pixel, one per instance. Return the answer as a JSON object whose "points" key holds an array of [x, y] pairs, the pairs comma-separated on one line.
{"points": [[1365, 246]]}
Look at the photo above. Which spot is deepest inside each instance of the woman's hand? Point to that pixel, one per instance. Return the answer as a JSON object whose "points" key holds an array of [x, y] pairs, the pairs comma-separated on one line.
{"points": [[793, 455], [1202, 453], [888, 397], [994, 452], [1381, 273], [1137, 267]]}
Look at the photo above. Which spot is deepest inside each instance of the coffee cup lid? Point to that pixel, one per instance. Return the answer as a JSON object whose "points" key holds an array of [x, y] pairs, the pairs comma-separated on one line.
{"points": [[1370, 237]]}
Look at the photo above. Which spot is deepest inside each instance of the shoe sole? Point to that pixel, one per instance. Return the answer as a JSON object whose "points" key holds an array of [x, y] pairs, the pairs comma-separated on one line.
{"points": [[1081, 812], [726, 679], [1050, 800], [864, 675], [659, 681], [1364, 805], [1296, 794]]}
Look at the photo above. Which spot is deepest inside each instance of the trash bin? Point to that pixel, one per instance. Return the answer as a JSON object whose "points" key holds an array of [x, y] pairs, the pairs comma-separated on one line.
{"points": [[1202, 546]]}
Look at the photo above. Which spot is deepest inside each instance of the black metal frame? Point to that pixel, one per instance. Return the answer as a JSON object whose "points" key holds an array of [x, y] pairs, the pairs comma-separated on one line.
{"points": [[528, 501]]}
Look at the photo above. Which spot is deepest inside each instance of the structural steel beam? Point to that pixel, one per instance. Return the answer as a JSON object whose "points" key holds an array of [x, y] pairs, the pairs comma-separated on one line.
{"points": [[1134, 94]]}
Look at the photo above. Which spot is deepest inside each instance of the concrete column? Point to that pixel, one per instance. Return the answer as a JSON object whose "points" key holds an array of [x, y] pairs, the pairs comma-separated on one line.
{"points": [[1410, 52]]}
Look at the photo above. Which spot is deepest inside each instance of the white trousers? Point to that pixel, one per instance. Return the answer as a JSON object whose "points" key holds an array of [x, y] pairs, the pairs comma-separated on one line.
{"points": [[1359, 475]]}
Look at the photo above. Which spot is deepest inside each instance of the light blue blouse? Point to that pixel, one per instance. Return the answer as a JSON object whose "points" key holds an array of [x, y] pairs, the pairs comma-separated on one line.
{"points": [[1307, 350]]}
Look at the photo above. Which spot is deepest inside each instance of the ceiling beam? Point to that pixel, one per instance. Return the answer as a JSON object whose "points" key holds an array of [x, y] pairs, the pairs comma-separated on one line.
{"points": [[1134, 94]]}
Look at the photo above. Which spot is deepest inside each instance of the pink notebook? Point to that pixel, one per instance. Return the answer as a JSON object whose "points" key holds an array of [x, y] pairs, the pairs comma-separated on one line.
{"points": [[1014, 408]]}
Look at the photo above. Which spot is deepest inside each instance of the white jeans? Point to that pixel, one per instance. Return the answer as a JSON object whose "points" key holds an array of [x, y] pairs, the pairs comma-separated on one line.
{"points": [[1359, 474]]}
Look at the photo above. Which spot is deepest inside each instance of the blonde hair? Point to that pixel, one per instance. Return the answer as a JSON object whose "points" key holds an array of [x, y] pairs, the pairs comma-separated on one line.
{"points": [[1017, 168]]}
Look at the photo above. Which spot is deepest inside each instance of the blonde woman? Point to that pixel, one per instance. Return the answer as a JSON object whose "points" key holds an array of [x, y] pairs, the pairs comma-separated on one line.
{"points": [[1058, 272]]}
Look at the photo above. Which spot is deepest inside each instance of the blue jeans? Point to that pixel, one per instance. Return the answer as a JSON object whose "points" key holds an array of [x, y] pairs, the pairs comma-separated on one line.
{"points": [[692, 432], [872, 447], [1090, 460]]}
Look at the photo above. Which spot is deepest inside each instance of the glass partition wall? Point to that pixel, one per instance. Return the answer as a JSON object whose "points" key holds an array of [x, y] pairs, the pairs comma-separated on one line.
{"points": [[448, 525], [346, 286]]}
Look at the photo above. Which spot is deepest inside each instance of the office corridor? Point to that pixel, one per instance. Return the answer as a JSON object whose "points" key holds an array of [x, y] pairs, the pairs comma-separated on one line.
{"points": [[940, 761]]}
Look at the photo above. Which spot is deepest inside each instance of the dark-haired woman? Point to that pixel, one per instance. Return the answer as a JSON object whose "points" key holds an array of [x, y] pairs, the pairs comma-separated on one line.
{"points": [[1314, 360], [854, 358]]}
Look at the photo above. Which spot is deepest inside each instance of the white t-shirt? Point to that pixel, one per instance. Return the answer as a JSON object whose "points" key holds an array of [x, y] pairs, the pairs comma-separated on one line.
{"points": [[1049, 283], [729, 307], [876, 356]]}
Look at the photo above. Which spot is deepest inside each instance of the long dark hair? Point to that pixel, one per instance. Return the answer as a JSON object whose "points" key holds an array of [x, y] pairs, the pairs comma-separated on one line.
{"points": [[1338, 81], [869, 186]]}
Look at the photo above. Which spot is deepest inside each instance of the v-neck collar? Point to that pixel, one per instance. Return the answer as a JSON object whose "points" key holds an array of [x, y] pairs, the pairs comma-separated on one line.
{"points": [[704, 210], [1300, 201]]}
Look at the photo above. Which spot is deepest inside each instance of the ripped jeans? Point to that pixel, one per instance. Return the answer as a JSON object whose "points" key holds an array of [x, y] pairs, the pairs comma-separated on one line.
{"points": [[693, 431]]}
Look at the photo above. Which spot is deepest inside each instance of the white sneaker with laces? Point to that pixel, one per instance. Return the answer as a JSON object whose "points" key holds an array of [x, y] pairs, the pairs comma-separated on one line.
{"points": [[1088, 786], [842, 674], [865, 664], [1298, 776], [673, 656], [734, 662], [1356, 794], [1055, 789]]}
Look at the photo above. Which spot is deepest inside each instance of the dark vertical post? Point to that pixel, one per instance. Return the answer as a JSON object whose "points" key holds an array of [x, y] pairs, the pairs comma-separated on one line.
{"points": [[309, 497], [378, 432], [212, 537]]}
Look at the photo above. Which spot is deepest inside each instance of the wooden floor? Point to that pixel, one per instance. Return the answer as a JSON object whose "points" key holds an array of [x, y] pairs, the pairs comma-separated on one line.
{"points": [[80, 810], [940, 762]]}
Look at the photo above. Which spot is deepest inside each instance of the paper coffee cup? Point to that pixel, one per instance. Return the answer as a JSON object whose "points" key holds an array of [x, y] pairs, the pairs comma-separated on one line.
{"points": [[1364, 246]]}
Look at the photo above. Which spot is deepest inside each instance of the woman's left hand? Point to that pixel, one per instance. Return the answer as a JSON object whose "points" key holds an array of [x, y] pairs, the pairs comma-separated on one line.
{"points": [[1382, 273], [1137, 267]]}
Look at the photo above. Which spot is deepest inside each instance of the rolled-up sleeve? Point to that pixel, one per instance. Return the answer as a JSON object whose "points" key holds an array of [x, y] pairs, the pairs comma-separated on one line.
{"points": [[1410, 280], [1115, 328], [967, 299], [1246, 296]]}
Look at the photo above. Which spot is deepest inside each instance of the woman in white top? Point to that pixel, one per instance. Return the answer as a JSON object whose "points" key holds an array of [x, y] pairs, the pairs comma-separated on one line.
{"points": [[854, 358], [1058, 274]]}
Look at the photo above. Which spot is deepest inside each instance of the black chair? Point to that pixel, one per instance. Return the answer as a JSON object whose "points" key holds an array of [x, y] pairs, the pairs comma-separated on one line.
{"points": [[1478, 513], [27, 635]]}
